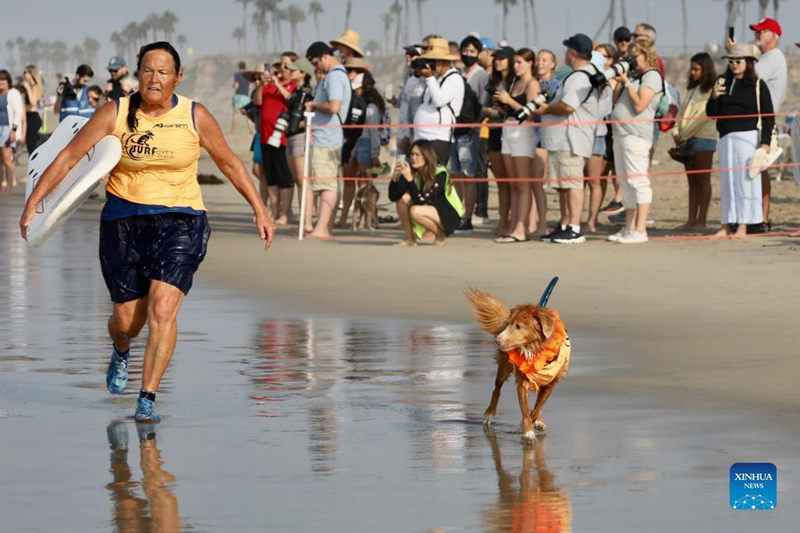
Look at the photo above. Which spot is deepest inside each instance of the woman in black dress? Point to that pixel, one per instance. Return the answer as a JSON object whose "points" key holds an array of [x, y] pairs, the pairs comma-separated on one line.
{"points": [[421, 191]]}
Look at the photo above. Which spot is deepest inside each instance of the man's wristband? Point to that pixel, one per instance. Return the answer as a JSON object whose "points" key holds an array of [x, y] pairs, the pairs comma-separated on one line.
{"points": [[13, 128]]}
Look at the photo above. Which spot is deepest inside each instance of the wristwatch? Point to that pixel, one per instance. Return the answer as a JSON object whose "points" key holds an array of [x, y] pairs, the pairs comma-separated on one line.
{"points": [[13, 128]]}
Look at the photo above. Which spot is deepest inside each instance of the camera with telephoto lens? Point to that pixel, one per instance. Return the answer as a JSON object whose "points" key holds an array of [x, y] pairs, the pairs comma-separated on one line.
{"points": [[297, 108], [68, 93], [280, 126], [527, 109], [419, 64], [618, 68]]}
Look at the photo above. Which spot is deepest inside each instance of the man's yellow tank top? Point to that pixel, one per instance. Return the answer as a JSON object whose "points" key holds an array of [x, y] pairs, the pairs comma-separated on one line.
{"points": [[159, 160]]}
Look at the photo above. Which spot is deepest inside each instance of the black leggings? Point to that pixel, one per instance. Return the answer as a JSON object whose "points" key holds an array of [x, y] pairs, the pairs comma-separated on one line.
{"points": [[32, 131]]}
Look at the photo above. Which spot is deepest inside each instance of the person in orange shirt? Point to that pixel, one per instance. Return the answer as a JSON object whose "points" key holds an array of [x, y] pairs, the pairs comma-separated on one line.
{"points": [[153, 229]]}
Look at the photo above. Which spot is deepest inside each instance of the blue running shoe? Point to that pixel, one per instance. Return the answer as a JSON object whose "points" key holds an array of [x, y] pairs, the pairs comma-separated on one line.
{"points": [[144, 411], [117, 375]]}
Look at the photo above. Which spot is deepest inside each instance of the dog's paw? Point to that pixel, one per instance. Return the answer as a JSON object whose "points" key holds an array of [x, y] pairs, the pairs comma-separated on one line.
{"points": [[488, 420], [529, 436], [538, 425]]}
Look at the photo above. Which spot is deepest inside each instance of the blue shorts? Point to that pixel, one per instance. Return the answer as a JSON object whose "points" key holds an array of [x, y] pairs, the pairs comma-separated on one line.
{"points": [[167, 247], [464, 157], [362, 151], [257, 157], [599, 147], [702, 145]]}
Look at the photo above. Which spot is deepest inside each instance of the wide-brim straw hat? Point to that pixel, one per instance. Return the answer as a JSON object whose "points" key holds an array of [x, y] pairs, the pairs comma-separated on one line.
{"points": [[439, 49], [743, 50], [350, 39], [355, 63], [250, 75]]}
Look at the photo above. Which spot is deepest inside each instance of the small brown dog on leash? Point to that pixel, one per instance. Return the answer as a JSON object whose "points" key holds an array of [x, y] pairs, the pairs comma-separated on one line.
{"points": [[365, 210], [532, 342]]}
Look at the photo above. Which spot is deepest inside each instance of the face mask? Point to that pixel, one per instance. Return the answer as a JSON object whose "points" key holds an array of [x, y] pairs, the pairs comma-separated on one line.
{"points": [[468, 60]]}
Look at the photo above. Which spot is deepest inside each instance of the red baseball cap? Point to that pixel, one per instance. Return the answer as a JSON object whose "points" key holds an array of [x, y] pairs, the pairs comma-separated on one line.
{"points": [[767, 24]]}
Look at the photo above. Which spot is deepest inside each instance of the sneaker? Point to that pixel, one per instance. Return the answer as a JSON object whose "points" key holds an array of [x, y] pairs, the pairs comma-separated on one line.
{"points": [[144, 411], [633, 237], [552, 235], [613, 208], [117, 375], [651, 221], [618, 235], [618, 219], [466, 225], [569, 236]]}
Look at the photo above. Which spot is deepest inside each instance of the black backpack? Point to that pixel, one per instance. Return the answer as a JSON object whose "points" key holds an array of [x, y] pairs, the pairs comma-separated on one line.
{"points": [[356, 116], [470, 107]]}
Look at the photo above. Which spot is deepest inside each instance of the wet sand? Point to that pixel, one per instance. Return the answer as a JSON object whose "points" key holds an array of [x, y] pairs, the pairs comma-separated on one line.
{"points": [[340, 385]]}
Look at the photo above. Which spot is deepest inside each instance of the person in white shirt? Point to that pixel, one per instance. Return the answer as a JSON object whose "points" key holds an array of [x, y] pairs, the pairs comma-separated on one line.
{"points": [[442, 99]]}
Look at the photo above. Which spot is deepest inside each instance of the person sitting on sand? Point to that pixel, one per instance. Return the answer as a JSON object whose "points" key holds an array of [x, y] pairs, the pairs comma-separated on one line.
{"points": [[153, 227], [425, 198]]}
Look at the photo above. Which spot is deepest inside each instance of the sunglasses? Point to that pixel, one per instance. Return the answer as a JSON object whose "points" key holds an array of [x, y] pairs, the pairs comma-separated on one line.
{"points": [[285, 65], [94, 98], [113, 70], [736, 61]]}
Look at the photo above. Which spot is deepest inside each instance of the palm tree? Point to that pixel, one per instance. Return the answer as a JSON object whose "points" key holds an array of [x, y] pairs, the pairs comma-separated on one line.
{"points": [[419, 17], [527, 24], [387, 18], [295, 15], [372, 47], [397, 10], [238, 34], [10, 45], [314, 9], [260, 23], [168, 21], [182, 40], [278, 16], [609, 20], [505, 4], [624, 10], [347, 14], [90, 48], [535, 22], [152, 22], [406, 13], [119, 43], [244, 19], [132, 33], [76, 55]]}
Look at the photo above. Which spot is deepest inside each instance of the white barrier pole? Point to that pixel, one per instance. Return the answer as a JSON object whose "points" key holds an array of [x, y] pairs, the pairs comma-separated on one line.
{"points": [[306, 164]]}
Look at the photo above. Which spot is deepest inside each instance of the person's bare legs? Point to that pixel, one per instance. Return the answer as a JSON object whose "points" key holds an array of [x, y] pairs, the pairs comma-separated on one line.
{"points": [[575, 198], [284, 204], [126, 321], [274, 200], [640, 221], [594, 169], [403, 208], [349, 170], [163, 303], [328, 202], [503, 190], [766, 190], [7, 160], [427, 217], [469, 194], [703, 160], [258, 173], [539, 196], [520, 199]]}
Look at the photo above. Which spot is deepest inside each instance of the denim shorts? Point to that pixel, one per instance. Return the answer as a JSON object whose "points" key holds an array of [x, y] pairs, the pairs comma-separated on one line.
{"points": [[599, 146], [702, 145], [362, 151], [464, 158], [167, 247]]}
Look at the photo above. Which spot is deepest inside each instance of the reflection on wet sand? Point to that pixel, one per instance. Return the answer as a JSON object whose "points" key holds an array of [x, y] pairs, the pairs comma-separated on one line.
{"points": [[158, 509], [536, 503]]}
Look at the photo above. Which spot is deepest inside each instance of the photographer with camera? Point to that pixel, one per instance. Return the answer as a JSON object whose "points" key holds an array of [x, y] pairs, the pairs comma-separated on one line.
{"points": [[568, 138], [409, 100], [636, 100], [73, 97], [274, 121], [442, 99]]}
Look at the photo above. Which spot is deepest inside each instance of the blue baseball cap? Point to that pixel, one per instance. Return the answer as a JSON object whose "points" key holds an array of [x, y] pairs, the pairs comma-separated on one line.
{"points": [[487, 43], [579, 42]]}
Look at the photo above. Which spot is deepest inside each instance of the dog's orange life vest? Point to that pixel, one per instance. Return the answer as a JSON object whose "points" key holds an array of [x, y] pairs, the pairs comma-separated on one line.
{"points": [[546, 355]]}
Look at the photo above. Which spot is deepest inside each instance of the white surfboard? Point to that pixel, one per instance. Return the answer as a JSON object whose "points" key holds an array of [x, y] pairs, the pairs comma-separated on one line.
{"points": [[79, 183]]}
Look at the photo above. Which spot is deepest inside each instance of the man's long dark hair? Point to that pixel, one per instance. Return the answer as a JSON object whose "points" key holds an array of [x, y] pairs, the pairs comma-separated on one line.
{"points": [[709, 73], [136, 98]]}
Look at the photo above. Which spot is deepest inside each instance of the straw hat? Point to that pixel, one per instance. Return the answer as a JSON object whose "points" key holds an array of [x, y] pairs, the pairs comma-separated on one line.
{"points": [[743, 50], [350, 39], [250, 75], [439, 49], [355, 63]]}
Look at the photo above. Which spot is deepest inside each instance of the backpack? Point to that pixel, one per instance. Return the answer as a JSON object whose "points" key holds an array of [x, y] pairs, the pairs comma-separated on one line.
{"points": [[594, 81], [667, 106], [356, 116], [470, 107]]}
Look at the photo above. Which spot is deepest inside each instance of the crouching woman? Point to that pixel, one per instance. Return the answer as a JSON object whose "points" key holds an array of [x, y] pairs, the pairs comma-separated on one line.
{"points": [[426, 201]]}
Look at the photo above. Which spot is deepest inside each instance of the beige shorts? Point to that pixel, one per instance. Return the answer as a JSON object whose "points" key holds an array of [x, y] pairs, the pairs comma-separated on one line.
{"points": [[325, 164], [563, 164], [296, 145]]}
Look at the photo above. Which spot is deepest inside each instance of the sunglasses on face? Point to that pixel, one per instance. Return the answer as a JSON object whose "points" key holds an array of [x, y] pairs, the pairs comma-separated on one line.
{"points": [[735, 61], [94, 98]]}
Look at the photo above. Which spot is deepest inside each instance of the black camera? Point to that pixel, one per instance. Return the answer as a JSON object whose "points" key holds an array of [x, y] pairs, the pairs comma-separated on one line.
{"points": [[297, 108], [68, 93], [620, 67], [419, 63]]}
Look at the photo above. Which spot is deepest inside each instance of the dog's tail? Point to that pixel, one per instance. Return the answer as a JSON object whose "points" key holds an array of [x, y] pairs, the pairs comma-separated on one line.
{"points": [[490, 312]]}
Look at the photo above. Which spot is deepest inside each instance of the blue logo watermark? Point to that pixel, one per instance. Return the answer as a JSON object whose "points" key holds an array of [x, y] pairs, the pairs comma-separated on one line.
{"points": [[754, 486]]}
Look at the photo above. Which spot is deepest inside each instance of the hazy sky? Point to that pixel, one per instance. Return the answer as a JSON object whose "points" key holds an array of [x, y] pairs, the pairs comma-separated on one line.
{"points": [[208, 25]]}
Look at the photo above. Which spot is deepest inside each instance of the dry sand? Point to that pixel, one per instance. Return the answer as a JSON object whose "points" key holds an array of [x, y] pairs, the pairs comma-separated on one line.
{"points": [[707, 321]]}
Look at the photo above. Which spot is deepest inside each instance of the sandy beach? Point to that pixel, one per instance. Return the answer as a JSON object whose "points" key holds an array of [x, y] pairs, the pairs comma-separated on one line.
{"points": [[349, 373]]}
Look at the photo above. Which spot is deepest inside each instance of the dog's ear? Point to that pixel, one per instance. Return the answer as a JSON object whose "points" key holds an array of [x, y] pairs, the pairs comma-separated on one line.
{"points": [[490, 312], [546, 322]]}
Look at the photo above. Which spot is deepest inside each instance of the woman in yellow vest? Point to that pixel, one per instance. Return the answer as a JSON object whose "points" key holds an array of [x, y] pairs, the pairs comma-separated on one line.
{"points": [[153, 229], [426, 201]]}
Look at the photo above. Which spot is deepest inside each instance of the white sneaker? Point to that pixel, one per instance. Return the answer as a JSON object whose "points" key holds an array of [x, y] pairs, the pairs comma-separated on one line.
{"points": [[618, 235], [633, 237]]}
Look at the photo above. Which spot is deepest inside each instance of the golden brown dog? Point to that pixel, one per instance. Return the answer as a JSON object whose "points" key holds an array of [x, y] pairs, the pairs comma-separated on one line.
{"points": [[532, 342], [366, 206]]}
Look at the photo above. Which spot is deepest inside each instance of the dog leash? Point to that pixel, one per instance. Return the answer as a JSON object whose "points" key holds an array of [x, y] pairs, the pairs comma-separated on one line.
{"points": [[546, 294]]}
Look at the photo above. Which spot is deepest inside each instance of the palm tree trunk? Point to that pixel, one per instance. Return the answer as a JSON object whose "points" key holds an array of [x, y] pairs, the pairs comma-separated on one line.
{"points": [[347, 14], [244, 26], [406, 40], [527, 23], [535, 22], [419, 18], [505, 19], [624, 10], [316, 24], [685, 27], [732, 11]]}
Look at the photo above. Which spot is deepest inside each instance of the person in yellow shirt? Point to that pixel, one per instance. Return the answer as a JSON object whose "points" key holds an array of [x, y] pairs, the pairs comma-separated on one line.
{"points": [[153, 229], [697, 135]]}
